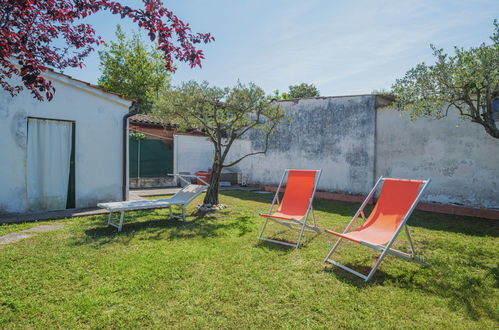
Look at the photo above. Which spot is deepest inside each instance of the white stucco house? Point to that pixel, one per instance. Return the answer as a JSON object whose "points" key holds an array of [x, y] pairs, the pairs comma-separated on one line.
{"points": [[70, 152]]}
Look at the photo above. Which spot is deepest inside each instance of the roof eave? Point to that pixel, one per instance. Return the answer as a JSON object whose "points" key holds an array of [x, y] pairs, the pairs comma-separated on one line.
{"points": [[92, 89]]}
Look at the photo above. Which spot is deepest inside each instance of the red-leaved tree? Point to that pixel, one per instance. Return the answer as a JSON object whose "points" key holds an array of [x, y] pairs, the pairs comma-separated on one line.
{"points": [[48, 33]]}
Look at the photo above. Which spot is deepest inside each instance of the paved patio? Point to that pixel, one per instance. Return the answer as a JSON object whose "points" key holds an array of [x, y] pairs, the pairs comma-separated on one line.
{"points": [[27, 233]]}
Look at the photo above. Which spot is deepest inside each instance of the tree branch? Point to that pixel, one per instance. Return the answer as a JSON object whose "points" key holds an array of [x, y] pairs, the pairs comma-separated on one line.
{"points": [[267, 137], [186, 118]]}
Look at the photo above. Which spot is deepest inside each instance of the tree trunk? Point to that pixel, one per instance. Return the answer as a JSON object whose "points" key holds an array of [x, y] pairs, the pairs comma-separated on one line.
{"points": [[211, 197], [490, 127]]}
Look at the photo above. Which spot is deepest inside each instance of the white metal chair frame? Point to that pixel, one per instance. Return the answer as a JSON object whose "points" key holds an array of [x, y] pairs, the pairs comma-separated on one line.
{"points": [[387, 248], [294, 224], [180, 216]]}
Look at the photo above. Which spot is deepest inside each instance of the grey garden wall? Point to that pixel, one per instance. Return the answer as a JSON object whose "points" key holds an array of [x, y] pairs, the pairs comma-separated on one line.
{"points": [[335, 134], [460, 158], [354, 142]]}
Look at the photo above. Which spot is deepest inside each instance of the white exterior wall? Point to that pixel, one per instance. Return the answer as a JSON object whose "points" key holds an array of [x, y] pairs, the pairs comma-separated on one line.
{"points": [[98, 118], [196, 153], [192, 153], [459, 156]]}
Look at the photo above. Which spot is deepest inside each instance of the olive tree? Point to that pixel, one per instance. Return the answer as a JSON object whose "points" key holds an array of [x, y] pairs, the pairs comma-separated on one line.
{"points": [[224, 115], [467, 81]]}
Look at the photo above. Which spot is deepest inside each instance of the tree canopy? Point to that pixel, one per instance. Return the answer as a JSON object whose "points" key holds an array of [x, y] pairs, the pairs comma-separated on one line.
{"points": [[467, 81], [133, 68], [303, 90], [31, 33], [224, 115]]}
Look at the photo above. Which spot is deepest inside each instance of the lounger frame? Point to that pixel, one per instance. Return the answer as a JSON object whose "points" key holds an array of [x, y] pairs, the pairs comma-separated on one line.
{"points": [[180, 216], [384, 249], [293, 223]]}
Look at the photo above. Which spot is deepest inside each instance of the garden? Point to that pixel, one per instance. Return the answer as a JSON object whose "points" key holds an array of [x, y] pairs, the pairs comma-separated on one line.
{"points": [[212, 272]]}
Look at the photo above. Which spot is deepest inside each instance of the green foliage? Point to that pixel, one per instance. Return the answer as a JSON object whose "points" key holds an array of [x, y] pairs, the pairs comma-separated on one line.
{"points": [[211, 272], [134, 69], [278, 96], [467, 81], [303, 90], [137, 136], [224, 115]]}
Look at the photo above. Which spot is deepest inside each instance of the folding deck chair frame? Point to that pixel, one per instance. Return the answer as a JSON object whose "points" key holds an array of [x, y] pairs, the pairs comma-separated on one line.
{"points": [[291, 223], [386, 249], [164, 204]]}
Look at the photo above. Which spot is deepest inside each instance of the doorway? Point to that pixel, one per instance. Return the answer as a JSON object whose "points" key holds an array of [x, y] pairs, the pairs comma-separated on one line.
{"points": [[50, 170]]}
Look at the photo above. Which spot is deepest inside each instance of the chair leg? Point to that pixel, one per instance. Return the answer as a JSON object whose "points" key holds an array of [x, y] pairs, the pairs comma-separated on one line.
{"points": [[378, 262], [335, 246], [183, 213], [263, 228], [301, 233], [313, 216], [109, 218], [122, 218], [413, 252], [384, 251]]}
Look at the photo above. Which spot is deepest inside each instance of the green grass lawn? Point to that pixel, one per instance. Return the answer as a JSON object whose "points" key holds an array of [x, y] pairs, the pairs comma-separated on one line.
{"points": [[212, 272]]}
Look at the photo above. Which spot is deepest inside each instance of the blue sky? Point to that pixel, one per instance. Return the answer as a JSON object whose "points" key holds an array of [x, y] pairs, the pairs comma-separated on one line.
{"points": [[343, 47]]}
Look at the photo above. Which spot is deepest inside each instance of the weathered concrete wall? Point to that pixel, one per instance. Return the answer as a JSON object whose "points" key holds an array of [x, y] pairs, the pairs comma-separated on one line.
{"points": [[335, 134], [98, 117], [354, 144], [460, 158]]}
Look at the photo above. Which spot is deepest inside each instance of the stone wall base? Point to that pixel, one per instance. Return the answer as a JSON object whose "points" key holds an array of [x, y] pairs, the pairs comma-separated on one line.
{"points": [[151, 182]]}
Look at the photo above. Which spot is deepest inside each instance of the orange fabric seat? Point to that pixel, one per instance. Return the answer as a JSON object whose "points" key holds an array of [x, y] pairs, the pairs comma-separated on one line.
{"points": [[279, 215], [296, 204], [297, 195], [395, 200]]}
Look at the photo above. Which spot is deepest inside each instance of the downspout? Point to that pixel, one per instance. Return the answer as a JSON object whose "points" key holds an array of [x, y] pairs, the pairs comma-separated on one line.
{"points": [[133, 110]]}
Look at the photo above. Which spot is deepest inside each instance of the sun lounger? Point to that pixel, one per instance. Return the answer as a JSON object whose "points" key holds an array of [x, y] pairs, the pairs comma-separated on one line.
{"points": [[182, 198], [397, 200], [296, 204]]}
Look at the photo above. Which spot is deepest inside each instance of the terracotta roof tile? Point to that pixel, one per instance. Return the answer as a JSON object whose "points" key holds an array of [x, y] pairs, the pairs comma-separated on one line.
{"points": [[145, 119]]}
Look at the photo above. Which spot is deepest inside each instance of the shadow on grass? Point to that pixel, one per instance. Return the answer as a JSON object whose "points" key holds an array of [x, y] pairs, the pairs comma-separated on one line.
{"points": [[454, 223], [277, 235], [464, 290], [337, 207], [276, 246], [273, 246], [428, 220], [198, 224]]}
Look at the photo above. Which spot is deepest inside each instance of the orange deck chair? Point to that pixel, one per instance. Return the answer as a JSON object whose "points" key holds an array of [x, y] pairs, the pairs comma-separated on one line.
{"points": [[296, 203], [397, 200]]}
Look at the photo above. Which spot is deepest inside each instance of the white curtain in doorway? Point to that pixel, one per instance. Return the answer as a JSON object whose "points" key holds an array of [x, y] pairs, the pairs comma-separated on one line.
{"points": [[49, 155]]}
